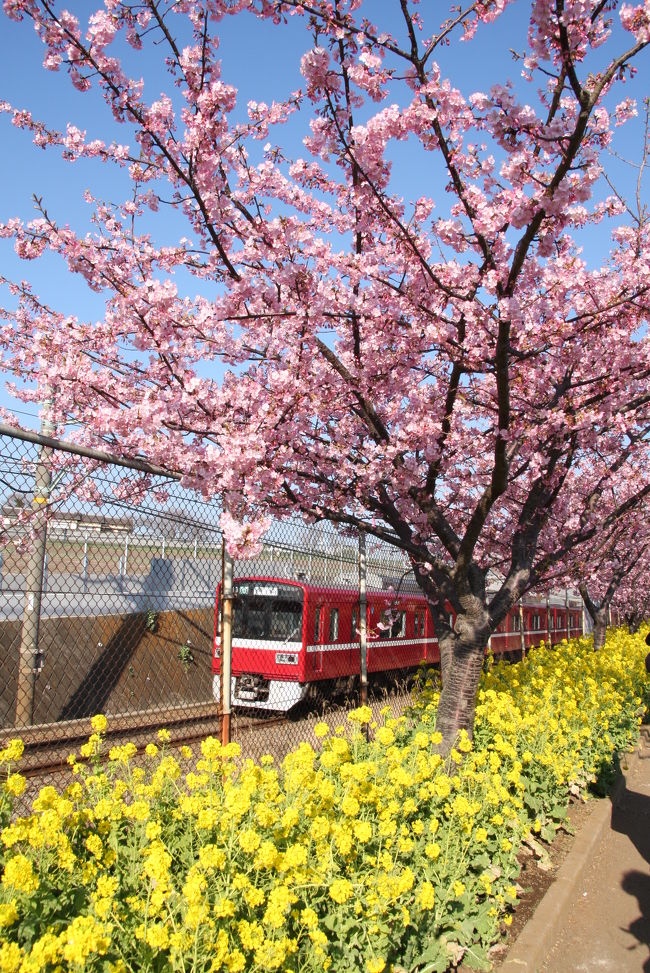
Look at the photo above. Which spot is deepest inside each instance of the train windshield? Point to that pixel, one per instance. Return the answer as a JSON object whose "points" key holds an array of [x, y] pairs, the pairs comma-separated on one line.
{"points": [[267, 610]]}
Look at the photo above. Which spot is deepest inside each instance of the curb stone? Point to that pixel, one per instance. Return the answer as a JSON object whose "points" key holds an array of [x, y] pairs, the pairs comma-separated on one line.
{"points": [[530, 949]]}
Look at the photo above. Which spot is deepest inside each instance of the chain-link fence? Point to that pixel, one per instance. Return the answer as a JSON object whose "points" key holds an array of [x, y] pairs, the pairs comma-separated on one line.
{"points": [[110, 579], [111, 602]]}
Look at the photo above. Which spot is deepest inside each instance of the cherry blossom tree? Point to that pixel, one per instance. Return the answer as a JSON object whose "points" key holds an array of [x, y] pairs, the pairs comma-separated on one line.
{"points": [[446, 372], [616, 574]]}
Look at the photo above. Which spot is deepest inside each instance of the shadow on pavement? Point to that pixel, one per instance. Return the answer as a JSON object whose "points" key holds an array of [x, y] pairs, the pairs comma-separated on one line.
{"points": [[638, 885], [631, 817]]}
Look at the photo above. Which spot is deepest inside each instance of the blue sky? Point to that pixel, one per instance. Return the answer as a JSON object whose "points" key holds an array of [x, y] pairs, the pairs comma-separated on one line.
{"points": [[263, 63]]}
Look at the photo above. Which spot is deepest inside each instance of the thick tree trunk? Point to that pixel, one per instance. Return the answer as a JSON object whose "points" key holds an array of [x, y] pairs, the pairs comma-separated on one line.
{"points": [[598, 615], [461, 661], [600, 629]]}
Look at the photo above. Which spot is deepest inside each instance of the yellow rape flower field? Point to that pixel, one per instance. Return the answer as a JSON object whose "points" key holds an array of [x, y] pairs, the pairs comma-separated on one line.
{"points": [[361, 856]]}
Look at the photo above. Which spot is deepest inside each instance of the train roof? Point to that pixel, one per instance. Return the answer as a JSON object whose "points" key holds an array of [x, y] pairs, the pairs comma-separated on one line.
{"points": [[328, 589], [530, 601]]}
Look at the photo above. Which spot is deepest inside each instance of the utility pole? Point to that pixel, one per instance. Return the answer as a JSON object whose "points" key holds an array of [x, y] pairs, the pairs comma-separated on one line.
{"points": [[363, 630], [226, 643], [34, 575]]}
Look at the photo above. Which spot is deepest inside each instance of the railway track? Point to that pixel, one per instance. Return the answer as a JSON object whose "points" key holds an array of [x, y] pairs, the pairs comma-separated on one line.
{"points": [[48, 746]]}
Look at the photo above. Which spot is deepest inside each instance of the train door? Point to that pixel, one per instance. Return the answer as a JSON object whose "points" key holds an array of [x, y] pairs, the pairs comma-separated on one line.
{"points": [[317, 635], [335, 664]]}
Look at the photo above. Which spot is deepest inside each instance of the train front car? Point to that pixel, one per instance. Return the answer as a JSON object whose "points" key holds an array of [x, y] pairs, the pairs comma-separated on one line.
{"points": [[268, 656]]}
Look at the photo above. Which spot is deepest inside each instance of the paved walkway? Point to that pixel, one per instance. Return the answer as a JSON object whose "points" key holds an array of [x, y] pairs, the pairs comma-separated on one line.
{"points": [[596, 916]]}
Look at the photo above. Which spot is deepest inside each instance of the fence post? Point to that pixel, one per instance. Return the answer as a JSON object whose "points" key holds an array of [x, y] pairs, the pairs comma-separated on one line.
{"points": [[85, 565], [522, 634], [363, 631], [226, 643], [126, 555], [34, 577]]}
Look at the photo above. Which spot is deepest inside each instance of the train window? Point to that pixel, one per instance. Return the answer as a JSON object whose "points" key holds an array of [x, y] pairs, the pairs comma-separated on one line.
{"points": [[392, 625], [317, 624], [334, 624], [354, 625], [416, 624], [267, 611], [516, 623]]}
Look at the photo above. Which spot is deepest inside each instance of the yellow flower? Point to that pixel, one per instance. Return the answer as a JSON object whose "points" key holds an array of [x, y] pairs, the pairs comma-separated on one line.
{"points": [[267, 855], [157, 936], [376, 965], [15, 784], [19, 874], [211, 748], [236, 962], [350, 806], [309, 918], [8, 914], [254, 897], [385, 736], [164, 736], [99, 723], [12, 752], [426, 896], [138, 811], [11, 957], [321, 730], [464, 744], [362, 831], [341, 890], [120, 754], [94, 845]]}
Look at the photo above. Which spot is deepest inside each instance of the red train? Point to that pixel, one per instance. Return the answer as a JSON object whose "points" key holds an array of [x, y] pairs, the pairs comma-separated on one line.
{"points": [[291, 639]]}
